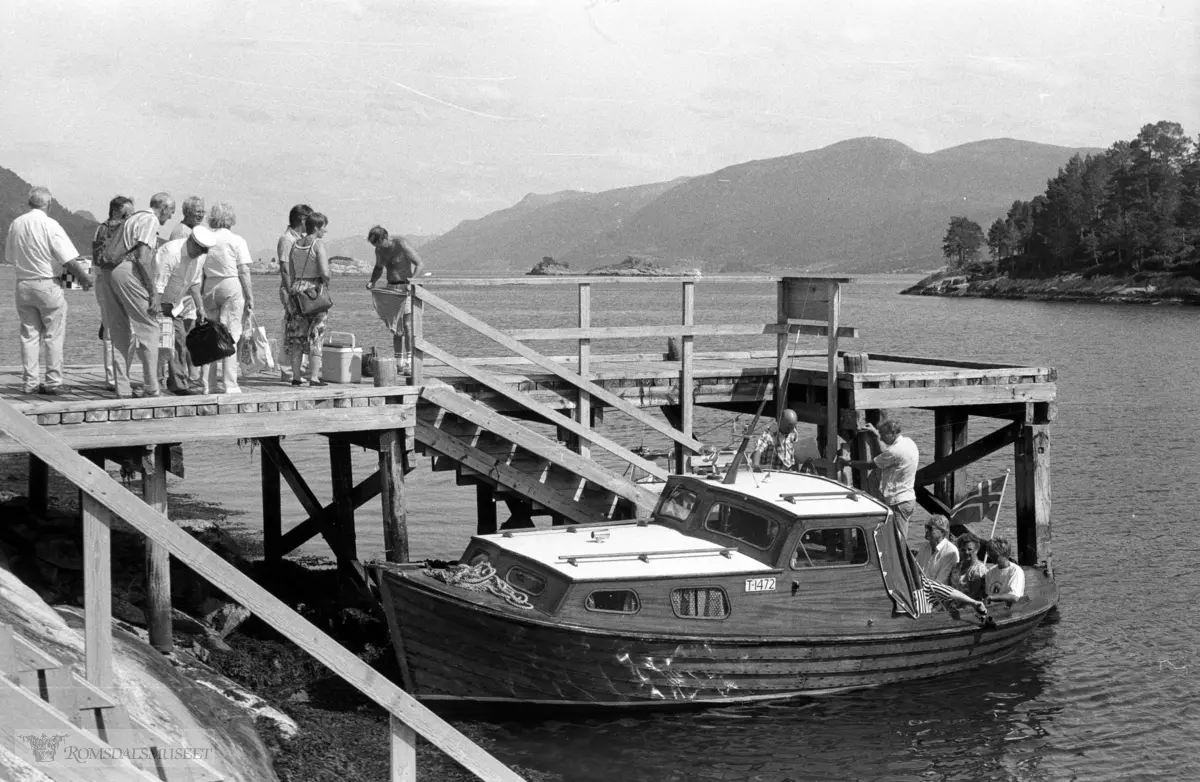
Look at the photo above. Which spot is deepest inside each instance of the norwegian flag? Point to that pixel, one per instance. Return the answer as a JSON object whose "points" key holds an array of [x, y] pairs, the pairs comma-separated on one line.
{"points": [[982, 504]]}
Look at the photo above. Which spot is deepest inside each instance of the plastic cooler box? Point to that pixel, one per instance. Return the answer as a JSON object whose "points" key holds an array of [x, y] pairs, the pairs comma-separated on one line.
{"points": [[341, 361]]}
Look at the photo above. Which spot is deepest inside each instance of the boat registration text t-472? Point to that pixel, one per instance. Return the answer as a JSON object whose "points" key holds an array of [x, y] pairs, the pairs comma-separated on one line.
{"points": [[760, 585]]}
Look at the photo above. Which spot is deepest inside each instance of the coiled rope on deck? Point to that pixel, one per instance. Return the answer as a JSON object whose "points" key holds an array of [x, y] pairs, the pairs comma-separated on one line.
{"points": [[480, 577]]}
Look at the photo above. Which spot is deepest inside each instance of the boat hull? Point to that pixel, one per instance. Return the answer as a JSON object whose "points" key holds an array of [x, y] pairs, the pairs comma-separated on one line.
{"points": [[459, 646]]}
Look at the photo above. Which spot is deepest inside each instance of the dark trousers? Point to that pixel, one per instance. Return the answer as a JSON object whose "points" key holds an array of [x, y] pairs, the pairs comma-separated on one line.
{"points": [[177, 365]]}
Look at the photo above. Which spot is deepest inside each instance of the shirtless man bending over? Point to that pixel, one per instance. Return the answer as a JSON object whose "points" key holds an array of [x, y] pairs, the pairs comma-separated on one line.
{"points": [[402, 263]]}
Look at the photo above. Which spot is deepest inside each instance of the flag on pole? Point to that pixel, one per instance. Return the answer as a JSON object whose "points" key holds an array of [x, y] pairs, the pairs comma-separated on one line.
{"points": [[982, 504]]}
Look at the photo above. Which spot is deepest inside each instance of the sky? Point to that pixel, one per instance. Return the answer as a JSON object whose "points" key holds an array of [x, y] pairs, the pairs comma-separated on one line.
{"points": [[418, 114]]}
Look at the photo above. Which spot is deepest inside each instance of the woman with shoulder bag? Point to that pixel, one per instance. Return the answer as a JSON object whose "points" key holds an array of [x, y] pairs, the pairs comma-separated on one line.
{"points": [[308, 303], [227, 294]]}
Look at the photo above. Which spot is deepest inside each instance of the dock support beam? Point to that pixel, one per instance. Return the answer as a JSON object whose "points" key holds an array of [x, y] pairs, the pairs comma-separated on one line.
{"points": [[341, 475], [39, 487], [485, 509], [272, 505], [97, 593], [392, 458], [1032, 490], [158, 560], [583, 403], [686, 346], [950, 434]]}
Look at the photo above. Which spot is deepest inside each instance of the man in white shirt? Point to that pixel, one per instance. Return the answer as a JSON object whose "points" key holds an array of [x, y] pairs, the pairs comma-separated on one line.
{"points": [[180, 272], [937, 556], [1004, 583], [897, 464], [40, 250], [130, 298], [193, 215]]}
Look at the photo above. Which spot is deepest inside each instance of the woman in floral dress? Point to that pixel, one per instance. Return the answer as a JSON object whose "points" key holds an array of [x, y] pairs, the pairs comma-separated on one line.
{"points": [[308, 268]]}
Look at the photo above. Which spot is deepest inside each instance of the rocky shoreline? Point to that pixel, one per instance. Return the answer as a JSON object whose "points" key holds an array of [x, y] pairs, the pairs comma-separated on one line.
{"points": [[316, 727], [1144, 288]]}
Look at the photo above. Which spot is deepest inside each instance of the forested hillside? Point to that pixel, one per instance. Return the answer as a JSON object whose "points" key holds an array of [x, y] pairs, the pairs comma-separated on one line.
{"points": [[14, 201]]}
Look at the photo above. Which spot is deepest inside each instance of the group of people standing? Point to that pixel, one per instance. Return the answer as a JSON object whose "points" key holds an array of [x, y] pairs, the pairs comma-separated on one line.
{"points": [[200, 273]]}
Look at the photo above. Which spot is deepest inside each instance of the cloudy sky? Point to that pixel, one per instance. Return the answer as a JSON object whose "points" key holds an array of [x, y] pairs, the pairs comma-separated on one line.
{"points": [[421, 113]]}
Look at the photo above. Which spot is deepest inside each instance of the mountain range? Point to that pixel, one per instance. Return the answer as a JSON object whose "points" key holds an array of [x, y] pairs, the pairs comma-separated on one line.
{"points": [[14, 202], [862, 205]]}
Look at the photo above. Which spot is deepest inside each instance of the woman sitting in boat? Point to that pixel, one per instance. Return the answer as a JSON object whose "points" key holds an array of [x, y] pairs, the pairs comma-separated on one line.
{"points": [[1004, 583], [968, 576]]}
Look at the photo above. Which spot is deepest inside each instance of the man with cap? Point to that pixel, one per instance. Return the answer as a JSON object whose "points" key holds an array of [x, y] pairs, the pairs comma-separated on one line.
{"points": [[180, 269], [937, 556], [779, 445]]}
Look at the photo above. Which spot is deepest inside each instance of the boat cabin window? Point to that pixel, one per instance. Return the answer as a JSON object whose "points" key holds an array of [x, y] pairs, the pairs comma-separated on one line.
{"points": [[617, 601], [678, 504], [742, 525], [831, 548], [700, 603], [527, 582]]}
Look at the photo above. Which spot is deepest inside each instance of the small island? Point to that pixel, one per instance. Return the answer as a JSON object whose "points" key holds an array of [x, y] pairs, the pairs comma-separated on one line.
{"points": [[632, 267], [1119, 226], [550, 267]]}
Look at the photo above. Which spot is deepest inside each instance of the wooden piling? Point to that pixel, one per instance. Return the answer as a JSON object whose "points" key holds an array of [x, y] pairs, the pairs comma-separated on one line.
{"points": [[272, 506], [686, 348], [39, 486], [1032, 493], [485, 509], [158, 560], [392, 494], [950, 435], [583, 403], [97, 593], [341, 476]]}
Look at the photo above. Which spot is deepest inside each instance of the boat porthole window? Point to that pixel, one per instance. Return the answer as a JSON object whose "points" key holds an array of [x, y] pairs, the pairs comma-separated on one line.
{"points": [[527, 582], [742, 525], [613, 601], [700, 603], [832, 547], [678, 504]]}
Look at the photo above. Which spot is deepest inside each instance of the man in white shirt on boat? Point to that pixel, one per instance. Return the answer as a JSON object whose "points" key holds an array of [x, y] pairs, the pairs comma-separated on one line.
{"points": [[1004, 583], [937, 556]]}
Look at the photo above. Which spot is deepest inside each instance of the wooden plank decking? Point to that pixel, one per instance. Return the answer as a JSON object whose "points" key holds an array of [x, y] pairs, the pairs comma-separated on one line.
{"points": [[89, 416]]}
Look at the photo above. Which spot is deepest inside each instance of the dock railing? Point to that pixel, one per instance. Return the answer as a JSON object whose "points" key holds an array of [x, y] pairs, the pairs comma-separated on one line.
{"points": [[104, 499], [585, 390]]}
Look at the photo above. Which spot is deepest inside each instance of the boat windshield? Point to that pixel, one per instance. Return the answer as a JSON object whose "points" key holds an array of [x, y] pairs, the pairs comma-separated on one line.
{"points": [[678, 504], [742, 525]]}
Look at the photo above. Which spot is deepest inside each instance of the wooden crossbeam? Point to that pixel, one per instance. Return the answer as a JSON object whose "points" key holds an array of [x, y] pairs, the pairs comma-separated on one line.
{"points": [[503, 474], [366, 490], [599, 392], [307, 499], [547, 412], [974, 452]]}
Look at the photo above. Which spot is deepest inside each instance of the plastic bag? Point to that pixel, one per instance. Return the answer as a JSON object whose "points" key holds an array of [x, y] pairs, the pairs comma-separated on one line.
{"points": [[208, 342], [254, 349]]}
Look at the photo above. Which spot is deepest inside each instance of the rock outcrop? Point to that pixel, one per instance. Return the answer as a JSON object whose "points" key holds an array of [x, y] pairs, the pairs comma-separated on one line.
{"points": [[550, 267], [632, 267]]}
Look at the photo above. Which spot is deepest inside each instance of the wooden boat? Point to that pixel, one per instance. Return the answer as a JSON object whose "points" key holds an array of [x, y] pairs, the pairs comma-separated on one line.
{"points": [[777, 585]]}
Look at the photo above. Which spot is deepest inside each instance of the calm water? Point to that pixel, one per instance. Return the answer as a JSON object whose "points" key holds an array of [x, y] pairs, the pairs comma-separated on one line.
{"points": [[1107, 692]]}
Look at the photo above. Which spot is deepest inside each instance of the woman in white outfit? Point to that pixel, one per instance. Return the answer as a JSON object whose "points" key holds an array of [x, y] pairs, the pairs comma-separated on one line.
{"points": [[227, 293]]}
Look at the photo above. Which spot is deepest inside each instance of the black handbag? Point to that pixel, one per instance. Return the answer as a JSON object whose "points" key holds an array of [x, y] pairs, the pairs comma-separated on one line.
{"points": [[316, 299], [208, 342]]}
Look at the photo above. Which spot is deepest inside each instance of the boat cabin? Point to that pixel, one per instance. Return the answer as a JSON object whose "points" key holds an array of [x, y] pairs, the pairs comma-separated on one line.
{"points": [[768, 544]]}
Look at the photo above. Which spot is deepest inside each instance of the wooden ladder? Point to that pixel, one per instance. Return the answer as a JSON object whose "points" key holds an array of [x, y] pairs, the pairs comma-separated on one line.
{"points": [[484, 446], [40, 698]]}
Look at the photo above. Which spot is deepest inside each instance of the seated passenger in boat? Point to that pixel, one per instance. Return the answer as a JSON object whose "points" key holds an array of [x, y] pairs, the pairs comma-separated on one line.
{"points": [[937, 556], [967, 576], [1004, 583]]}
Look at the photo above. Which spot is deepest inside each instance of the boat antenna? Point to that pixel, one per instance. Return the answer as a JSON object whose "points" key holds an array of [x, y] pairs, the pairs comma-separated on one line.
{"points": [[731, 472]]}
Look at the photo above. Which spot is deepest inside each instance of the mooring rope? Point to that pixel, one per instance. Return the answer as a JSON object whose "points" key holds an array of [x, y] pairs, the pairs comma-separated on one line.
{"points": [[480, 577]]}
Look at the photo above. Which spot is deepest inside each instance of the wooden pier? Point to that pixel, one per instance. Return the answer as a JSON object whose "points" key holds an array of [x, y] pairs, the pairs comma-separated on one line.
{"points": [[473, 414]]}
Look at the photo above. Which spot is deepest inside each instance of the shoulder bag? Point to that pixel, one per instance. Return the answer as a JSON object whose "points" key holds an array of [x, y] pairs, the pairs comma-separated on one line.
{"points": [[316, 299]]}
